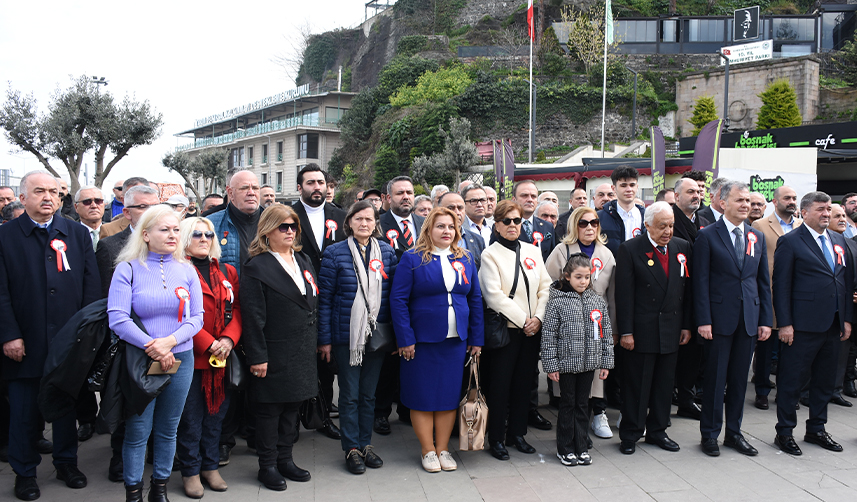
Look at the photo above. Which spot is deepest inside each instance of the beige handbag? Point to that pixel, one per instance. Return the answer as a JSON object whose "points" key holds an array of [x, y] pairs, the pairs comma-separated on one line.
{"points": [[472, 412]]}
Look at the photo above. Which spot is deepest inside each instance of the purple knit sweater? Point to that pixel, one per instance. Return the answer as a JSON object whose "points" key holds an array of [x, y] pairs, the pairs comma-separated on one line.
{"points": [[157, 306]]}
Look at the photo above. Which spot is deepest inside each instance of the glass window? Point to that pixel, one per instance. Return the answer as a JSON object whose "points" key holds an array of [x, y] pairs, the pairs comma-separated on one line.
{"points": [[250, 156], [836, 29], [264, 154], [307, 146], [332, 114], [793, 29], [669, 31], [636, 31], [237, 158], [310, 117], [264, 178], [706, 30], [279, 186], [279, 151]]}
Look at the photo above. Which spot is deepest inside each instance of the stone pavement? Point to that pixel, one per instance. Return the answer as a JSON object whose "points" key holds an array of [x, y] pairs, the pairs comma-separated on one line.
{"points": [[649, 474]]}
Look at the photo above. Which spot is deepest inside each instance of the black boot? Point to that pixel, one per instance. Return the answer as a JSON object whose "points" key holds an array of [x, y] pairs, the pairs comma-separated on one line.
{"points": [[158, 490], [134, 493]]}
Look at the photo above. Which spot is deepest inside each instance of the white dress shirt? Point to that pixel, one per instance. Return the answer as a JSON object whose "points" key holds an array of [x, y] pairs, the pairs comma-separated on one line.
{"points": [[293, 270], [632, 220]]}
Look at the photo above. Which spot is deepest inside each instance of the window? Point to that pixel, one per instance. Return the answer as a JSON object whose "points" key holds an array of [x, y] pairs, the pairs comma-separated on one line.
{"points": [[237, 158], [636, 31], [669, 32], [706, 30], [310, 117], [279, 151], [836, 29], [264, 154], [799, 30], [332, 115], [307, 146], [279, 186], [250, 156], [264, 179]]}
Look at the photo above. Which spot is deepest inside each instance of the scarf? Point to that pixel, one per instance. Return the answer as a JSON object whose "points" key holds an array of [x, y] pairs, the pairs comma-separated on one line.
{"points": [[213, 387], [363, 314]]}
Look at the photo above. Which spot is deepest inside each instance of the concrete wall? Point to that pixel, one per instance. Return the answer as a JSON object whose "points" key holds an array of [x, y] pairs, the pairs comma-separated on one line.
{"points": [[837, 104]]}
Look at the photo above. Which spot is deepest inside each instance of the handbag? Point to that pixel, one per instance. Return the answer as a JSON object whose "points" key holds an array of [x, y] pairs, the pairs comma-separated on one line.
{"points": [[496, 324], [472, 412], [237, 372], [382, 338], [313, 412], [98, 374]]}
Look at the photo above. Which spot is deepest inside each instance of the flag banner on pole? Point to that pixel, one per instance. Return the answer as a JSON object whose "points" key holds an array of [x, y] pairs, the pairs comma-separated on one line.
{"points": [[706, 155], [659, 163], [531, 22], [608, 22], [504, 162]]}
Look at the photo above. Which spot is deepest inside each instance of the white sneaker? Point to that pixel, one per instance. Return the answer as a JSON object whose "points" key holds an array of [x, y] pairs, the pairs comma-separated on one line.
{"points": [[600, 426], [447, 463], [431, 463]]}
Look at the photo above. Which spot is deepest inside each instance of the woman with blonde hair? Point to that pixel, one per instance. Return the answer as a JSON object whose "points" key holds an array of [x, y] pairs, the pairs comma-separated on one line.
{"points": [[208, 399], [436, 276], [154, 281], [279, 295]]}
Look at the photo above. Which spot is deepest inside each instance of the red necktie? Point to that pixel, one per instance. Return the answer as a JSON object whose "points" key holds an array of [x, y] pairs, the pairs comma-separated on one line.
{"points": [[408, 236]]}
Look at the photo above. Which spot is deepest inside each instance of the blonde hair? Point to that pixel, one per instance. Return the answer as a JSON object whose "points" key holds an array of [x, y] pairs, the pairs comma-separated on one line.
{"points": [[137, 248], [571, 235], [425, 245], [270, 220], [188, 225]]}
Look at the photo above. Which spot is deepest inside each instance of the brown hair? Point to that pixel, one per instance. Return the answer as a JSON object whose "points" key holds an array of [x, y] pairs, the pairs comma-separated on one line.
{"points": [[571, 235], [505, 207], [270, 220], [424, 243], [355, 208]]}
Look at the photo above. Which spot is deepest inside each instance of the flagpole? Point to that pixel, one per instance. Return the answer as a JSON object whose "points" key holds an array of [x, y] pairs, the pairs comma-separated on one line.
{"points": [[532, 119], [604, 83]]}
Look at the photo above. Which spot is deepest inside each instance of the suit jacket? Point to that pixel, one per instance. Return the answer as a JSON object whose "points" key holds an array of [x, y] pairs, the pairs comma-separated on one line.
{"points": [[722, 291], [653, 306], [308, 240], [562, 225], [36, 299], [770, 227], [399, 244], [686, 229], [105, 255], [548, 236], [475, 244], [807, 294], [114, 227]]}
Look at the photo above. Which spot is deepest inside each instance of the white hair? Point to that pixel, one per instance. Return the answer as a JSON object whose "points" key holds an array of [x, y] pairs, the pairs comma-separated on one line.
{"points": [[132, 192], [87, 187], [656, 208], [188, 225], [438, 189], [545, 203], [24, 179]]}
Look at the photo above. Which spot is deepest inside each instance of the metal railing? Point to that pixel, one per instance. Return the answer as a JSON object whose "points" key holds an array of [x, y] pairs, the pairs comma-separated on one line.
{"points": [[258, 129]]}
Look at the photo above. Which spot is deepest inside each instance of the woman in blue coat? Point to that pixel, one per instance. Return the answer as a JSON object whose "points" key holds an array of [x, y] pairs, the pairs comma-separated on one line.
{"points": [[354, 291], [437, 276]]}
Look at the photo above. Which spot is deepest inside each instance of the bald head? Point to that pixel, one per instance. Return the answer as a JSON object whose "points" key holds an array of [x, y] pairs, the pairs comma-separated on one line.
{"points": [[603, 193], [243, 191]]}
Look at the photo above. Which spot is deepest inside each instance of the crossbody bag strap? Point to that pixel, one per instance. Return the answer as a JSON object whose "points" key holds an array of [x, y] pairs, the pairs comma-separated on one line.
{"points": [[527, 285], [515, 281], [227, 311]]}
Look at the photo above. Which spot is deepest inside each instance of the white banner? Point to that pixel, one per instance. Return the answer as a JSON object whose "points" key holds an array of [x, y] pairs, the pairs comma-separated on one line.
{"points": [[746, 53]]}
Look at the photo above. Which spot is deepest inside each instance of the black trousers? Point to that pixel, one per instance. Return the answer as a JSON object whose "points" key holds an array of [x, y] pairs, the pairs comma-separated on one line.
{"points": [[762, 365], [275, 432], [841, 367], [573, 417], [387, 390], [87, 406], [687, 371], [239, 414], [508, 373], [851, 366], [647, 387], [813, 357]]}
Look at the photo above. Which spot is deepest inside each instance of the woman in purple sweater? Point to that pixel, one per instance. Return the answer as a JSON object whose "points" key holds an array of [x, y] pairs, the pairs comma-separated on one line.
{"points": [[154, 279]]}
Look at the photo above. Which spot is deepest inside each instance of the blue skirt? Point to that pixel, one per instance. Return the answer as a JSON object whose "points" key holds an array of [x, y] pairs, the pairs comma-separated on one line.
{"points": [[431, 381]]}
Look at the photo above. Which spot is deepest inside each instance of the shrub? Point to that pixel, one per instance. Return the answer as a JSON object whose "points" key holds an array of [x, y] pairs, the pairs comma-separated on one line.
{"points": [[779, 107], [704, 111], [434, 87]]}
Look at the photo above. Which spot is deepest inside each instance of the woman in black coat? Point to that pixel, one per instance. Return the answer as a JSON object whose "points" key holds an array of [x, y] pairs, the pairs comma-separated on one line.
{"points": [[279, 290]]}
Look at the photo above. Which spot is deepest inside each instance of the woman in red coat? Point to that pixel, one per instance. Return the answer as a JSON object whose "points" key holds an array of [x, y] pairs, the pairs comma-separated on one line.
{"points": [[207, 399]]}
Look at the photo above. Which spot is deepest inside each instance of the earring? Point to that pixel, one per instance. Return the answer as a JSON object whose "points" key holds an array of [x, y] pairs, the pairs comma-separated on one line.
{"points": [[266, 240]]}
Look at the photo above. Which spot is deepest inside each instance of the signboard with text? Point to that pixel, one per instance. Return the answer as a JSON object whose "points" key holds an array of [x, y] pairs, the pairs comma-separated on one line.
{"points": [[747, 53], [841, 136]]}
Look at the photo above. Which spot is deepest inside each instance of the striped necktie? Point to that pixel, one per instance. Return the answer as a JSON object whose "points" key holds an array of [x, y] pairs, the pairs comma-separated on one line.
{"points": [[409, 237]]}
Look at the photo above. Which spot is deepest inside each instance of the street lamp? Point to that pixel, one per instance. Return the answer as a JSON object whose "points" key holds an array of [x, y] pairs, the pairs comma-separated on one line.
{"points": [[99, 81], [533, 121], [634, 111]]}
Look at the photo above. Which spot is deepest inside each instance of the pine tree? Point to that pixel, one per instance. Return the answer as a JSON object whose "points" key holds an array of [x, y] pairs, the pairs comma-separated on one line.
{"points": [[779, 107], [704, 111]]}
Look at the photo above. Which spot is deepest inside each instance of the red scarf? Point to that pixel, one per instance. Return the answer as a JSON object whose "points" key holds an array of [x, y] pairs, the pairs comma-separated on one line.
{"points": [[213, 387]]}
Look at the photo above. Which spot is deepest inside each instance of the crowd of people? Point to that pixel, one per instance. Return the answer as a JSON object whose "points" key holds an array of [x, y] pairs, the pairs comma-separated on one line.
{"points": [[626, 306]]}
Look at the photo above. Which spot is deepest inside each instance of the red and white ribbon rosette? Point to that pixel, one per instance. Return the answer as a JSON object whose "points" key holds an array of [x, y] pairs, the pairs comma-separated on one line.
{"points": [[377, 266], [228, 286], [184, 296], [529, 263], [331, 229], [393, 236], [596, 315], [636, 232], [597, 265], [538, 238], [459, 267], [683, 260], [840, 255], [311, 281], [62, 260], [751, 248]]}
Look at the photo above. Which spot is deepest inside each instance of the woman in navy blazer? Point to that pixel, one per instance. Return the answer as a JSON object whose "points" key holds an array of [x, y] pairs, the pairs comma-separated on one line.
{"points": [[434, 277]]}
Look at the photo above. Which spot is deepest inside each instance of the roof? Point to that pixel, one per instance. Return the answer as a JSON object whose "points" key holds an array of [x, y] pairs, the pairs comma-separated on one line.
{"points": [[599, 168]]}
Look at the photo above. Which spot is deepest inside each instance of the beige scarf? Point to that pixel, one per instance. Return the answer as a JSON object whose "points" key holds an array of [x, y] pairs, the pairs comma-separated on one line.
{"points": [[367, 301]]}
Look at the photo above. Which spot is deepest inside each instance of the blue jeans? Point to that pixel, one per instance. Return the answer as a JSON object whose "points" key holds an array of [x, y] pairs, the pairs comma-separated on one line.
{"points": [[199, 432], [357, 396], [161, 418]]}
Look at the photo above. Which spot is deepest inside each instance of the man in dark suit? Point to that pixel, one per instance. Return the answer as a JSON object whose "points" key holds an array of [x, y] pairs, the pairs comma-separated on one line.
{"points": [[653, 318], [713, 212], [47, 274], [813, 288], [578, 199], [470, 241], [732, 303], [621, 219], [534, 230], [401, 229]]}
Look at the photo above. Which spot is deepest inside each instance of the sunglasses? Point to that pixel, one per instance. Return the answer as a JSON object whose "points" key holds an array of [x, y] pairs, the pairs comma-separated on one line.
{"points": [[285, 227], [87, 202], [142, 207], [118, 189], [197, 234], [509, 221], [585, 223]]}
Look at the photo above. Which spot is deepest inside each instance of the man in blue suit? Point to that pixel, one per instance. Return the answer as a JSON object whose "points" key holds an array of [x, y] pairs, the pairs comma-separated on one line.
{"points": [[470, 241], [732, 300], [47, 274], [813, 287], [534, 230]]}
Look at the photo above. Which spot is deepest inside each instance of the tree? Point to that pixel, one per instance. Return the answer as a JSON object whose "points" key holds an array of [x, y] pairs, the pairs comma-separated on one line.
{"points": [[436, 86], [297, 40], [209, 165], [458, 154], [586, 35], [704, 111], [779, 106], [846, 61], [80, 119], [512, 39]]}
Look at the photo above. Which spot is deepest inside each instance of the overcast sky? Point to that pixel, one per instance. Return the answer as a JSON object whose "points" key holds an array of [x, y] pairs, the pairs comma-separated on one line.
{"points": [[188, 59]]}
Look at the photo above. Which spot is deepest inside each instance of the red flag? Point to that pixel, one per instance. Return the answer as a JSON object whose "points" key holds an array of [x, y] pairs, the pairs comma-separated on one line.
{"points": [[530, 20]]}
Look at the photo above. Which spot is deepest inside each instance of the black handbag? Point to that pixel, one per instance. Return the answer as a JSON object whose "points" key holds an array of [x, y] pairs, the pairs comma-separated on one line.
{"points": [[237, 373], [496, 325], [313, 412], [382, 338], [98, 374]]}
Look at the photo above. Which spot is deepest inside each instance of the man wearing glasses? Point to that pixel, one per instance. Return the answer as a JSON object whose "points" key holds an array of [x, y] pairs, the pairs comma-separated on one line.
{"points": [[89, 204], [115, 207], [373, 195], [115, 225], [475, 208]]}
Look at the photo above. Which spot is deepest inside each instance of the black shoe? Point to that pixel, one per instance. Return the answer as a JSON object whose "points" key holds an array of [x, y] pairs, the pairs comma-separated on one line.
{"points": [[354, 462], [271, 478], [71, 475], [370, 458], [117, 468], [787, 444], [330, 430], [739, 444], [334, 411], [849, 389], [134, 493], [85, 432], [694, 411], [44, 446], [627, 447], [804, 401], [521, 444], [293, 472], [761, 402], [709, 447], [158, 490], [665, 443], [823, 439], [497, 449], [538, 421], [841, 402], [26, 488], [225, 450], [381, 426]]}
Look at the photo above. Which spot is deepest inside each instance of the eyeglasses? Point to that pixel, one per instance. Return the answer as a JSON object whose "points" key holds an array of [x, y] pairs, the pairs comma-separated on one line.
{"points": [[177, 207], [141, 207], [197, 234], [476, 202], [585, 223], [118, 189], [509, 221], [87, 202], [285, 227], [373, 199]]}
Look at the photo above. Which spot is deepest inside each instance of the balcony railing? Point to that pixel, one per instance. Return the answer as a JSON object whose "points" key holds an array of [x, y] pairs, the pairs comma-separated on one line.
{"points": [[264, 159], [279, 157], [267, 127]]}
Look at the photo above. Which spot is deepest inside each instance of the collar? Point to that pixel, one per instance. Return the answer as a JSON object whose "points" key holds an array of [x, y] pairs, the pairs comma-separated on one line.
{"points": [[816, 235], [313, 210], [239, 217], [782, 222], [472, 224], [46, 226], [623, 213], [717, 214], [531, 219], [654, 245], [399, 218], [730, 227], [90, 229]]}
